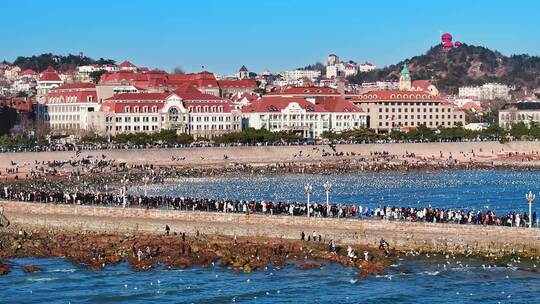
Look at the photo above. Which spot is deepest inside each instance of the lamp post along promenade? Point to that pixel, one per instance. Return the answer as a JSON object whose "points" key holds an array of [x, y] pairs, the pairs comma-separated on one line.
{"points": [[327, 188], [530, 198], [146, 179], [308, 189]]}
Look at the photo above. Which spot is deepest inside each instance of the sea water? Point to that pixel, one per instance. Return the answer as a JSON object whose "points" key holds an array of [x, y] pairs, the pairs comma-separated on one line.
{"points": [[433, 279]]}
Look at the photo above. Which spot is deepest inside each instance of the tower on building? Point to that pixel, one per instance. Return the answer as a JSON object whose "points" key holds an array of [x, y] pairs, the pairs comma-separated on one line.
{"points": [[405, 79], [243, 73], [332, 59]]}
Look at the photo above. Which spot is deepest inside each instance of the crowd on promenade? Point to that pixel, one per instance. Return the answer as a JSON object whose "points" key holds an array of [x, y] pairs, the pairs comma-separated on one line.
{"points": [[59, 147], [411, 214]]}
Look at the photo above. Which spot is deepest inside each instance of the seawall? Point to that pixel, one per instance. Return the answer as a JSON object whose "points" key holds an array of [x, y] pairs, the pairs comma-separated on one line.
{"points": [[402, 236]]}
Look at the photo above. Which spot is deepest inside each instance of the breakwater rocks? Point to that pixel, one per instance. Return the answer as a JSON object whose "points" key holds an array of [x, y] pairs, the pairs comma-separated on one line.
{"points": [[145, 252]]}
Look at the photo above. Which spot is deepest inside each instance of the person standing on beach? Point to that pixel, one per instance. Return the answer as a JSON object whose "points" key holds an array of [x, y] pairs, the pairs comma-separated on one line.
{"points": [[139, 254], [167, 229]]}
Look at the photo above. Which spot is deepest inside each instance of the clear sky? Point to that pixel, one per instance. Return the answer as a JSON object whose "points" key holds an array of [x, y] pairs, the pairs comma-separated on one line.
{"points": [[273, 34]]}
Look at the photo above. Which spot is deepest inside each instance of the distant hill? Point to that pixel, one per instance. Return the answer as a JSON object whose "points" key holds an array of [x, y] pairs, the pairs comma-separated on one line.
{"points": [[58, 62], [464, 66]]}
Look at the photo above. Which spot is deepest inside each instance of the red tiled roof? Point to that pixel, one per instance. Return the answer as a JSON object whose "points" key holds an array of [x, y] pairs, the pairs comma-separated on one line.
{"points": [[139, 96], [469, 106], [127, 64], [423, 84], [28, 72], [245, 83], [67, 96], [49, 75], [276, 104], [190, 105], [120, 107], [188, 92], [336, 104], [250, 96]]}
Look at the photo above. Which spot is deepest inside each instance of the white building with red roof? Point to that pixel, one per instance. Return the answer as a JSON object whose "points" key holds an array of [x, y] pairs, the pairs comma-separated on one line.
{"points": [[48, 80], [72, 107], [308, 117], [402, 110], [186, 110]]}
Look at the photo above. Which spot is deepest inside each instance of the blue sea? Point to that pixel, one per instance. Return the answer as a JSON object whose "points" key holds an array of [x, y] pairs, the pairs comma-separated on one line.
{"points": [[419, 279], [409, 280], [500, 191]]}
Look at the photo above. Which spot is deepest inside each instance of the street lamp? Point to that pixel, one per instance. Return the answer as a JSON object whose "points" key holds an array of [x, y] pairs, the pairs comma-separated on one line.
{"points": [[123, 191], [308, 189], [145, 180], [327, 188], [530, 198]]}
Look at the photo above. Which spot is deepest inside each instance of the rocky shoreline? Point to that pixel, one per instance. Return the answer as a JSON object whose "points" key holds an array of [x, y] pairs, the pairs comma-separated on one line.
{"points": [[145, 252]]}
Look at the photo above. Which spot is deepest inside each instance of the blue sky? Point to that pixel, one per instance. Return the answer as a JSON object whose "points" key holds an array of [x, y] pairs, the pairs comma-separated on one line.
{"points": [[276, 35]]}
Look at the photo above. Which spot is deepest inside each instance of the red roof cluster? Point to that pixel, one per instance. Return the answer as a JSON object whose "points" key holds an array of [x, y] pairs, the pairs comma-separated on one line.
{"points": [[336, 104], [244, 83]]}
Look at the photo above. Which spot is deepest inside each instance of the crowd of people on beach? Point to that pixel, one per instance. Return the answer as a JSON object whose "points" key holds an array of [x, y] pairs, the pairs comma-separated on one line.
{"points": [[317, 210], [88, 146]]}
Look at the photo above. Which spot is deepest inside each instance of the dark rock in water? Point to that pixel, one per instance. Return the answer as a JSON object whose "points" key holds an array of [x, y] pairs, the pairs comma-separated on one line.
{"points": [[31, 269], [95, 266], [4, 269], [310, 265]]}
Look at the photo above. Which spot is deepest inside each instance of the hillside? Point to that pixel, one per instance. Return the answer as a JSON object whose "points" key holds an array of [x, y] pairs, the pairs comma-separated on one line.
{"points": [[463, 66], [58, 62]]}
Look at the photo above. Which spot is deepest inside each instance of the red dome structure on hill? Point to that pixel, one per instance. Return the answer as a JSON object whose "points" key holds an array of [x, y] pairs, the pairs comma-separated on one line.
{"points": [[447, 44], [446, 37], [457, 43]]}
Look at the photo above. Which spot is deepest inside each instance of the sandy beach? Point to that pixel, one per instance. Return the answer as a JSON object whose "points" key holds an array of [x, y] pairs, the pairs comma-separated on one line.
{"points": [[513, 154]]}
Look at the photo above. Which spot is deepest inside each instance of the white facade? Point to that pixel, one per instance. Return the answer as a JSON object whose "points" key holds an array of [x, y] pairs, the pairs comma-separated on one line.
{"points": [[366, 67], [198, 118], [332, 71], [292, 118], [526, 112], [293, 76], [488, 91], [308, 117]]}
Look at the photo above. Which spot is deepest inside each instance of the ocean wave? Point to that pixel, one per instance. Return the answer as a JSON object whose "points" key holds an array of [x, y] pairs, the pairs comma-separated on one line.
{"points": [[63, 270], [42, 279]]}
